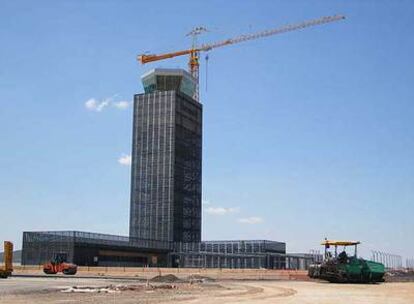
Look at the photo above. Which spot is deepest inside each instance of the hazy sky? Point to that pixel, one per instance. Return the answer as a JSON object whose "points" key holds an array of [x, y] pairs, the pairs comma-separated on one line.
{"points": [[307, 135]]}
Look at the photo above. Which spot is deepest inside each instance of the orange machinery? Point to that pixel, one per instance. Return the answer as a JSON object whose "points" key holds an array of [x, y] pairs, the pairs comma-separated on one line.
{"points": [[59, 264]]}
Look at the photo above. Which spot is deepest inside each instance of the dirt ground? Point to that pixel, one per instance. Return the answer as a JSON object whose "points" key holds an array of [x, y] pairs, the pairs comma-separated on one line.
{"points": [[38, 290]]}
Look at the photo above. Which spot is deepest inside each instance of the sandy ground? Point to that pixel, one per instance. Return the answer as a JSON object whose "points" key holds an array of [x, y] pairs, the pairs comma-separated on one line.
{"points": [[49, 290], [150, 272]]}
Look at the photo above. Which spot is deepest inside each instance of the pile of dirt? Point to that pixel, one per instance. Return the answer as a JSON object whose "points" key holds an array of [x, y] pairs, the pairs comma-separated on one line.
{"points": [[169, 278], [399, 276]]}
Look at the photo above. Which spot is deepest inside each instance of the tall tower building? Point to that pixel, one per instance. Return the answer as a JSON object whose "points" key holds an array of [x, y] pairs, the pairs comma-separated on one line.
{"points": [[166, 159]]}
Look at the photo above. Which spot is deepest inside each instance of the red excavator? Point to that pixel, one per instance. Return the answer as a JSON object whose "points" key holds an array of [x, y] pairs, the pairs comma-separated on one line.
{"points": [[59, 264]]}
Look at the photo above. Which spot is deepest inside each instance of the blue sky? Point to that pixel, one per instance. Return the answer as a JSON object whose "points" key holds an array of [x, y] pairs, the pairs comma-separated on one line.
{"points": [[306, 134]]}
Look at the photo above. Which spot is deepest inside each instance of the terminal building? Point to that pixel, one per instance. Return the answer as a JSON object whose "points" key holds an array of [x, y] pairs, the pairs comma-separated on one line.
{"points": [[93, 249], [165, 205]]}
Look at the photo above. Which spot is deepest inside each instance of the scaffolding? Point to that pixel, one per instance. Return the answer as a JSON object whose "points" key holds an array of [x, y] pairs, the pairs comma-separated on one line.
{"points": [[241, 261], [232, 247], [230, 254]]}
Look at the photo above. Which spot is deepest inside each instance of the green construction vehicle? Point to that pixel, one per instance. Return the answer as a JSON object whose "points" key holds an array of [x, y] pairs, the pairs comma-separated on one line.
{"points": [[344, 268]]}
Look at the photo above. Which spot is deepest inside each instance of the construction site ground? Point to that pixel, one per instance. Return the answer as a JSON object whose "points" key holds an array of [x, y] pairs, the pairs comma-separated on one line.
{"points": [[193, 286]]}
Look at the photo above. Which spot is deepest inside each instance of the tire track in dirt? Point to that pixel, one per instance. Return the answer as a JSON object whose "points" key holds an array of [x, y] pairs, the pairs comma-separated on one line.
{"points": [[247, 292], [281, 293], [231, 292], [267, 292]]}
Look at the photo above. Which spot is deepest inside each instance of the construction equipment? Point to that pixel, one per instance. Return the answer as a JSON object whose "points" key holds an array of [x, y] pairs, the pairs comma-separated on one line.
{"points": [[59, 264], [8, 260], [342, 268], [194, 51]]}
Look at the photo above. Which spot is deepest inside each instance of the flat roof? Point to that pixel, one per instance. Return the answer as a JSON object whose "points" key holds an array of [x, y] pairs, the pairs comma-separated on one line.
{"points": [[340, 243], [96, 238], [110, 239], [168, 72]]}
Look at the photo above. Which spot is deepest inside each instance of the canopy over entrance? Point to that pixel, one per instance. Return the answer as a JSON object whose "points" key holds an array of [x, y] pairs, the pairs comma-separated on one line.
{"points": [[340, 243]]}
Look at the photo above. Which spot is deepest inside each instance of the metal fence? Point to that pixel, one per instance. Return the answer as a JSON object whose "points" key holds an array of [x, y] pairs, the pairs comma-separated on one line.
{"points": [[409, 264], [390, 261]]}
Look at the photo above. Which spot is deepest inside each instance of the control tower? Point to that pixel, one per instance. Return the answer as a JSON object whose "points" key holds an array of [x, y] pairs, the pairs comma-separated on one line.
{"points": [[166, 159]]}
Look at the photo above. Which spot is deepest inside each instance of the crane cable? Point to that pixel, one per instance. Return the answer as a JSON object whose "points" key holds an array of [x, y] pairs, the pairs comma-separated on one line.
{"points": [[206, 70]]}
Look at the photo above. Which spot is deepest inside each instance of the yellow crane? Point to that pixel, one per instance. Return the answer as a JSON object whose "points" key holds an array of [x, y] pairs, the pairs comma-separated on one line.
{"points": [[194, 51]]}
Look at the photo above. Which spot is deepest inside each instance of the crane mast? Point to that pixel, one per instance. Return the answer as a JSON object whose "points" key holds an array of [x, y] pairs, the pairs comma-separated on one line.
{"points": [[194, 51]]}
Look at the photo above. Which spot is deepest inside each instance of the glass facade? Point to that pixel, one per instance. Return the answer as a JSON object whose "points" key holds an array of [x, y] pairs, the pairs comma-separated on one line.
{"points": [[158, 80], [92, 249], [230, 254], [166, 162]]}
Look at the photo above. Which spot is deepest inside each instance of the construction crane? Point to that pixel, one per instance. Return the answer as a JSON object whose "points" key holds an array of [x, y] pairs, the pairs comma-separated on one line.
{"points": [[194, 51]]}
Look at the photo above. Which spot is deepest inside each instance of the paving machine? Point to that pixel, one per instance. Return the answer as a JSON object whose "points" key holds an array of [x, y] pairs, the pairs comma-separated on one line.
{"points": [[344, 268], [7, 270], [59, 264]]}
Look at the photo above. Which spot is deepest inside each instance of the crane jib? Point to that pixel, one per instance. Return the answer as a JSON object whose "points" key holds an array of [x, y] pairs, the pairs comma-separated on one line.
{"points": [[193, 52], [207, 47]]}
